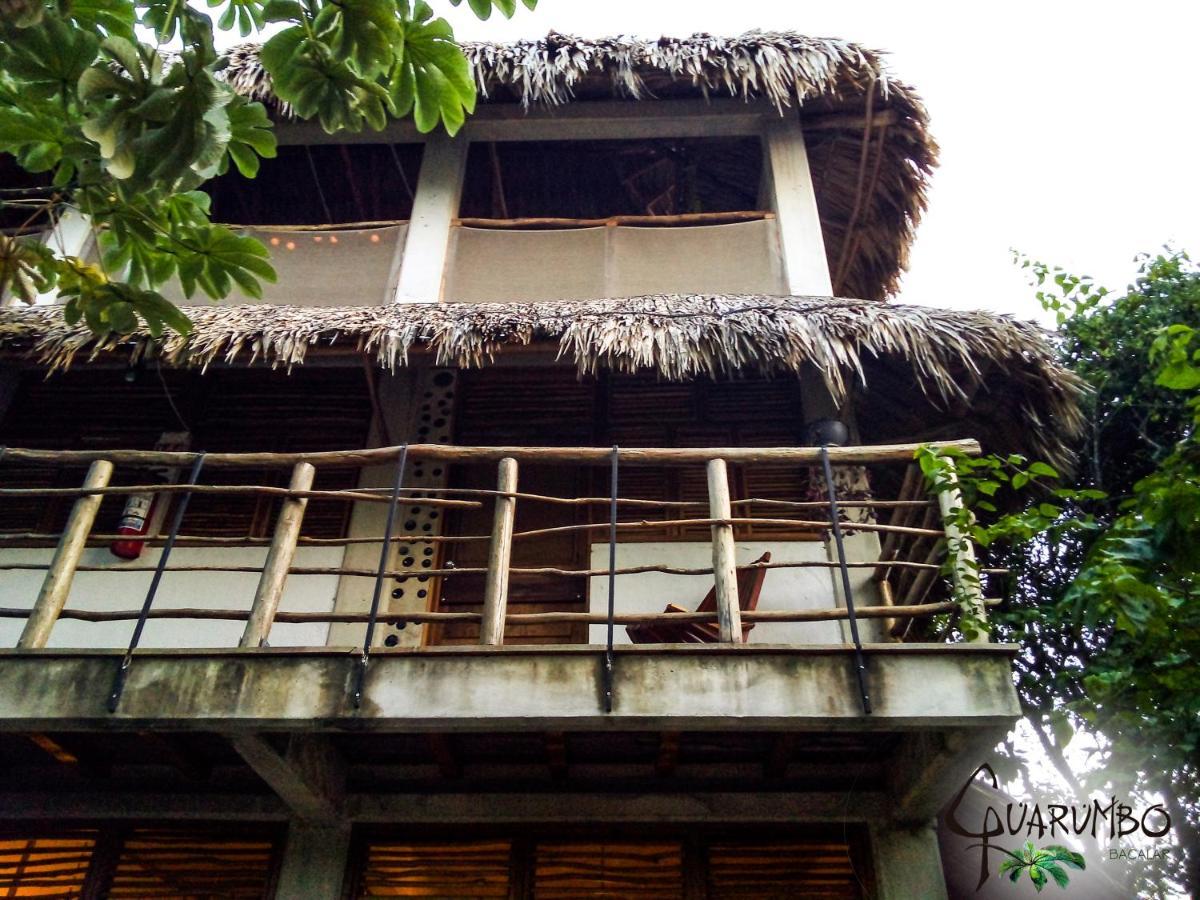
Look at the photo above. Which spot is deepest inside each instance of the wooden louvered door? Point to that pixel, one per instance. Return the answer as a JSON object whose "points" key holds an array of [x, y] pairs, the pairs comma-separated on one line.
{"points": [[550, 406], [640, 411], [533, 407]]}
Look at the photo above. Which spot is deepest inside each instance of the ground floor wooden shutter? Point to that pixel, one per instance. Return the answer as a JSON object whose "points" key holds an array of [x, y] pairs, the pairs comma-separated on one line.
{"points": [[702, 865], [119, 862]]}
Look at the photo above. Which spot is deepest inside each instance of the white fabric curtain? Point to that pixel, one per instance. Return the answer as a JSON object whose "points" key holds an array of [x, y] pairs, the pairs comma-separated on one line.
{"points": [[324, 268], [622, 261]]}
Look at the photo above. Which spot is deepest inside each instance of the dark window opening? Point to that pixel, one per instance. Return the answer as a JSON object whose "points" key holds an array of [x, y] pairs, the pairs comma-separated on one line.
{"points": [[323, 184], [599, 179], [226, 411]]}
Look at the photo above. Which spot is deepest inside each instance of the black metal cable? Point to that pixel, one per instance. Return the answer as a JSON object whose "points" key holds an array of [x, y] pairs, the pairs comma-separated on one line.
{"points": [[612, 583], [118, 688], [860, 665], [397, 484]]}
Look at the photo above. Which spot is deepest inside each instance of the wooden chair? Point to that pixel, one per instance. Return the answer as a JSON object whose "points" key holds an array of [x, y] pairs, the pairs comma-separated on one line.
{"points": [[749, 582]]}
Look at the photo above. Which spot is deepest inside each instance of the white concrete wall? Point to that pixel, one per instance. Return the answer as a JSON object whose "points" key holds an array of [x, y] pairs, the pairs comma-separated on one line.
{"points": [[206, 590], [806, 588]]}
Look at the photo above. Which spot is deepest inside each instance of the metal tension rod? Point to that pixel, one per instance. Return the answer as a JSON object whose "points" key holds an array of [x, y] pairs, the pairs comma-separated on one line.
{"points": [[612, 584], [118, 688], [860, 665], [397, 484]]}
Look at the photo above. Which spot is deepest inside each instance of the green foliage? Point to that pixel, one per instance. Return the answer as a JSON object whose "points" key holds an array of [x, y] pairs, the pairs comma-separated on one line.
{"points": [[130, 133], [1041, 865], [1107, 599]]}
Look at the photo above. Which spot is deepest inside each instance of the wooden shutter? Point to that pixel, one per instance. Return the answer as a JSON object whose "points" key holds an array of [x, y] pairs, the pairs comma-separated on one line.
{"points": [[45, 866], [563, 871], [813, 869], [188, 864], [468, 870]]}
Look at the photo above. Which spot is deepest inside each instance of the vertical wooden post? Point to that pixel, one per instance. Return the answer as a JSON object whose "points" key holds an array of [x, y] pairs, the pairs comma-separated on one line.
{"points": [[57, 583], [495, 591], [965, 573], [729, 611], [279, 559]]}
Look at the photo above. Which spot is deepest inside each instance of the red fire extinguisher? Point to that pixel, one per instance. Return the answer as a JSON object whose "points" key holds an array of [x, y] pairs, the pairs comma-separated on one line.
{"points": [[138, 517]]}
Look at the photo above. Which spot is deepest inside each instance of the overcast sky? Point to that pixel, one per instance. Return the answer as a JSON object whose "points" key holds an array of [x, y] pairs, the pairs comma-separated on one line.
{"points": [[1068, 129]]}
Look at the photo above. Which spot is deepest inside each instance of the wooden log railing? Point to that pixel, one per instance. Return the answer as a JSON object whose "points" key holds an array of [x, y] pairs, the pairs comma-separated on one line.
{"points": [[914, 536]]}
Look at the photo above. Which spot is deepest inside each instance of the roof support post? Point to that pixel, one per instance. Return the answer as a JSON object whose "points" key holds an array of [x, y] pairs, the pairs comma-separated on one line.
{"points": [[790, 192], [427, 246], [314, 860]]}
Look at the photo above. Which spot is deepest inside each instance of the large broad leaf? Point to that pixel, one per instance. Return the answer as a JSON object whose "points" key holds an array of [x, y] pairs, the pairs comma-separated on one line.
{"points": [[365, 32], [50, 57], [24, 269], [306, 74], [483, 8], [36, 140], [432, 78], [250, 136], [245, 15], [217, 259], [107, 17]]}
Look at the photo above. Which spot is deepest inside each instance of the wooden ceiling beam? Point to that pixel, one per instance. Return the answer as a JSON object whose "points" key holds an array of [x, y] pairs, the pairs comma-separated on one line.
{"points": [[310, 777]]}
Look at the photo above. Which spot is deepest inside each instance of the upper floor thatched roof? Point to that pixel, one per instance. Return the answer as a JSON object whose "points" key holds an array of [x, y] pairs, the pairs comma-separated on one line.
{"points": [[868, 137]]}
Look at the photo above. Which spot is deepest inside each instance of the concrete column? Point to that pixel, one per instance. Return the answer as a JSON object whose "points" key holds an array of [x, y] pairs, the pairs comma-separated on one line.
{"points": [[788, 185], [439, 189], [392, 426], [908, 864], [314, 862]]}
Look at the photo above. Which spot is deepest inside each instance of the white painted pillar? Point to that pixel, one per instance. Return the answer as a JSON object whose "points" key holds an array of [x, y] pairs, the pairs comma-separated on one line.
{"points": [[426, 248], [789, 189], [314, 862], [908, 863], [396, 403]]}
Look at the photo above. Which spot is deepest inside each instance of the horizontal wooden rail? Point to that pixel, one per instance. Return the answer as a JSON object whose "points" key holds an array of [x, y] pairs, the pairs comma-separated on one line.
{"points": [[25, 539], [773, 615], [354, 572], [253, 489], [880, 453], [800, 524], [539, 222]]}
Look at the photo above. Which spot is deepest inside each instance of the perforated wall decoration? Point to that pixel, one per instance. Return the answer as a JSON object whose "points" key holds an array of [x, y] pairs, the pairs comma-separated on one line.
{"points": [[432, 424]]}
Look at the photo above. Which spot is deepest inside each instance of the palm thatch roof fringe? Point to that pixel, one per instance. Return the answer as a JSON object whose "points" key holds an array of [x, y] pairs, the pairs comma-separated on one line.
{"points": [[949, 353], [869, 144]]}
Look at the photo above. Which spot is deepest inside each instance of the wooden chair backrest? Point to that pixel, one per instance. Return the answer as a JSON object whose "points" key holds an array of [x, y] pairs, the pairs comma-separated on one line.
{"points": [[749, 582]]}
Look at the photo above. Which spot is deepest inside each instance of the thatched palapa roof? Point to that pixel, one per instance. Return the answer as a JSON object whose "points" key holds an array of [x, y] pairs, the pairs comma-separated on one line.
{"points": [[867, 133], [946, 358]]}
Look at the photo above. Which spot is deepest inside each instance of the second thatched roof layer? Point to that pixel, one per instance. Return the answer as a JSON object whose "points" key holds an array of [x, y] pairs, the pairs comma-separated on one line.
{"points": [[950, 355], [867, 133]]}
